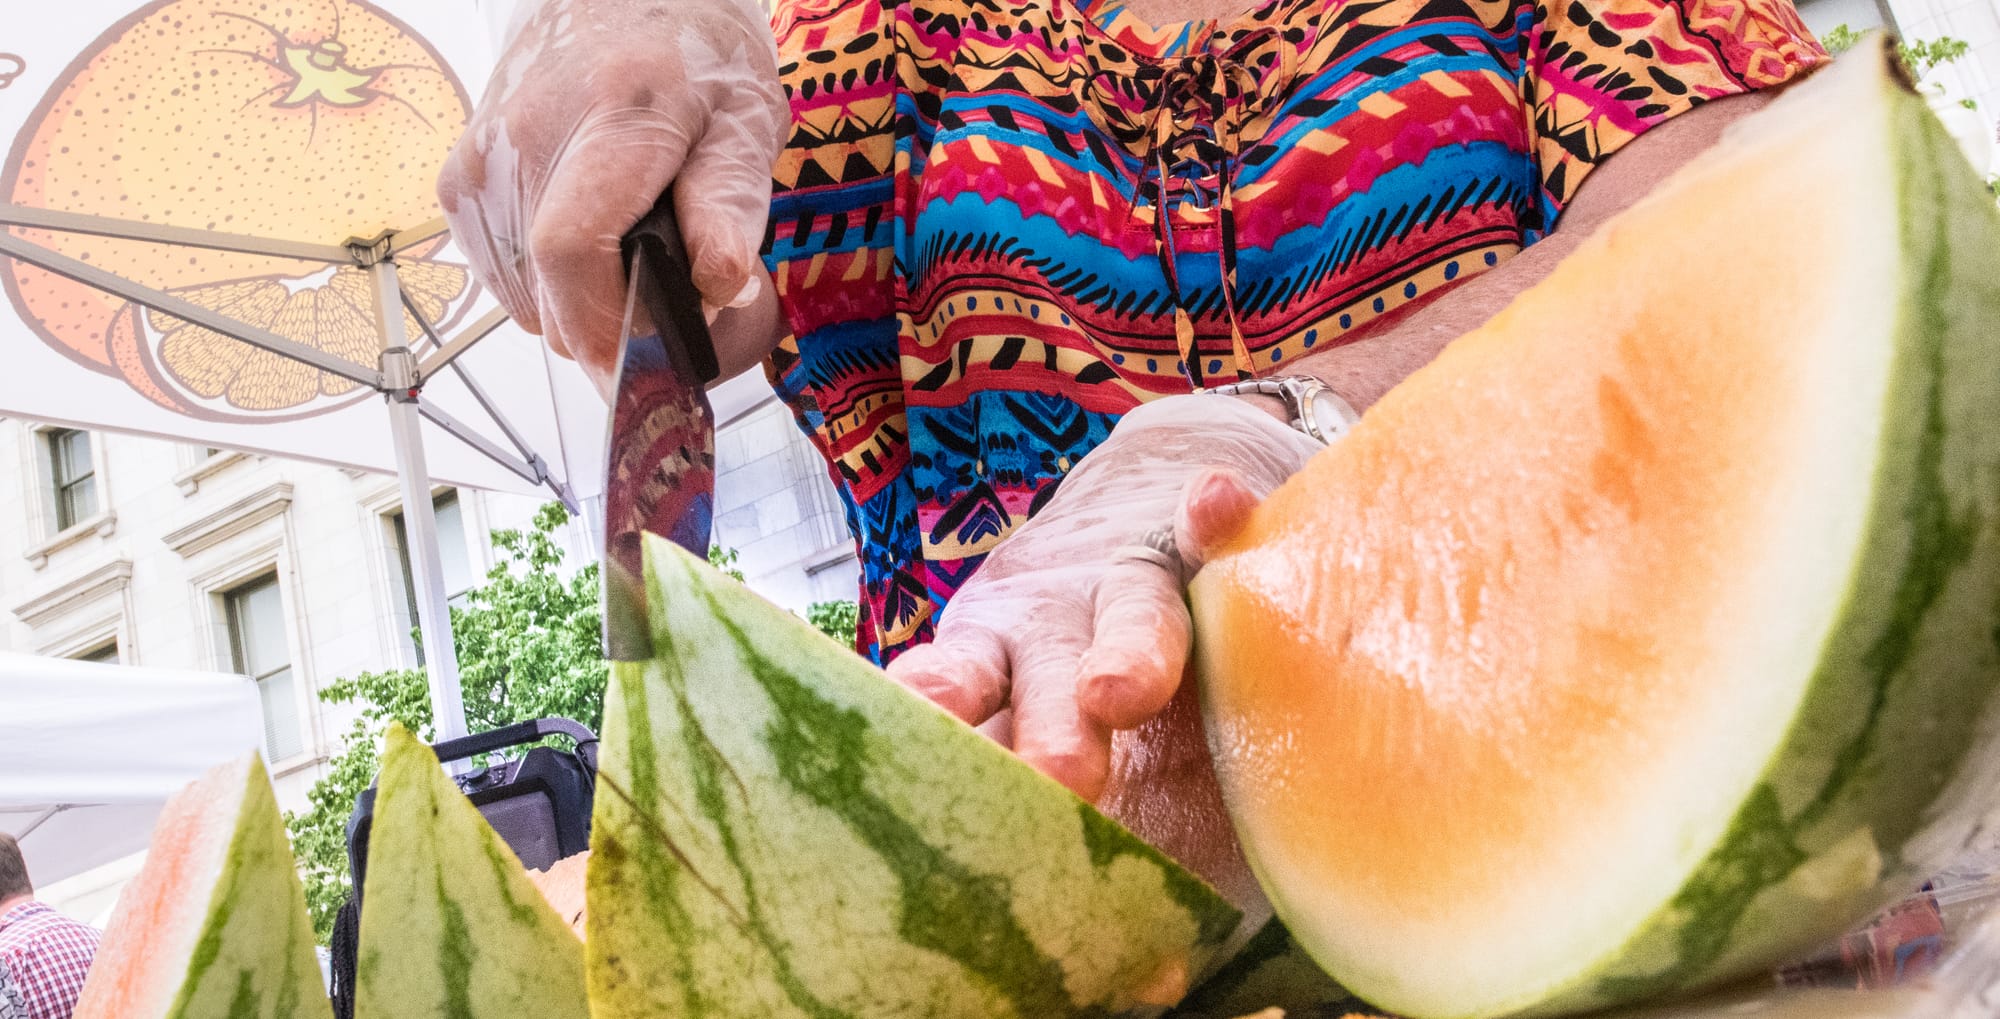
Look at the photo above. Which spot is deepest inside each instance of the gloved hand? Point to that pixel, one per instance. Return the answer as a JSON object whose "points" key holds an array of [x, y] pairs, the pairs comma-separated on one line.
{"points": [[1075, 628], [593, 109]]}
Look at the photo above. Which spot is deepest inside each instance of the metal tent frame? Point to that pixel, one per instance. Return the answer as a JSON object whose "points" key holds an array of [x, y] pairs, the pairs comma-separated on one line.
{"points": [[398, 375]]}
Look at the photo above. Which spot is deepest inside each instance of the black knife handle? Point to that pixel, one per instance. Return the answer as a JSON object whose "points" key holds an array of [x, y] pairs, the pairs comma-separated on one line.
{"points": [[668, 290]]}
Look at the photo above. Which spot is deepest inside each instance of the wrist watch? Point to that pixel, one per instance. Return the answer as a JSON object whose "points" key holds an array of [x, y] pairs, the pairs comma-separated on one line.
{"points": [[1313, 406]]}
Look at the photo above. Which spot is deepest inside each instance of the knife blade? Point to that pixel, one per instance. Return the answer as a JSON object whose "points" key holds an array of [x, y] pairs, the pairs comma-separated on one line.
{"points": [[659, 473]]}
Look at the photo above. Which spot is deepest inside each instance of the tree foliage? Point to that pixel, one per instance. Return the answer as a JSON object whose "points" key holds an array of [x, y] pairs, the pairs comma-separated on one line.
{"points": [[836, 619], [529, 646], [1920, 57]]}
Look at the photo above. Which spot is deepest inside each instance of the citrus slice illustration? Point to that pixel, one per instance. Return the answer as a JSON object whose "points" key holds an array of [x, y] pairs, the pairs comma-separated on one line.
{"points": [[314, 120]]}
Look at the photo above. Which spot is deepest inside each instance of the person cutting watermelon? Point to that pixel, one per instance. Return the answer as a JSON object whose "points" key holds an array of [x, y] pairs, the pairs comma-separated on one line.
{"points": [[1062, 288]]}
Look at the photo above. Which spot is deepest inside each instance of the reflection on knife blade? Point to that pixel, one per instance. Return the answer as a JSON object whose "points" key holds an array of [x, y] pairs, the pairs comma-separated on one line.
{"points": [[660, 465]]}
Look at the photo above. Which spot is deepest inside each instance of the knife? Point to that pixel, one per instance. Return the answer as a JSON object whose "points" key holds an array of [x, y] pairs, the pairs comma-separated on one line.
{"points": [[659, 473]]}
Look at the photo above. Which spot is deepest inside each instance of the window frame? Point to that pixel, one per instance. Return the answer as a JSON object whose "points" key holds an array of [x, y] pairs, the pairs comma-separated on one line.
{"points": [[233, 598], [96, 653], [229, 549], [56, 536], [402, 573], [199, 463], [59, 446]]}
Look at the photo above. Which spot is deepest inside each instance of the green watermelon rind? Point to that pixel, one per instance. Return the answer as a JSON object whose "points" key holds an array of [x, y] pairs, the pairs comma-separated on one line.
{"points": [[451, 925], [1271, 970], [1895, 728], [941, 875], [1862, 799], [228, 972]]}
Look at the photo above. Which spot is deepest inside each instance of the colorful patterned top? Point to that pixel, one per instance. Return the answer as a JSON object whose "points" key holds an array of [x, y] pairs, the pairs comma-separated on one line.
{"points": [[47, 957], [1000, 225]]}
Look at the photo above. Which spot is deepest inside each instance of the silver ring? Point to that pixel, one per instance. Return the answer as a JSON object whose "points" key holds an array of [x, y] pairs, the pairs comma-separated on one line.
{"points": [[1156, 547]]}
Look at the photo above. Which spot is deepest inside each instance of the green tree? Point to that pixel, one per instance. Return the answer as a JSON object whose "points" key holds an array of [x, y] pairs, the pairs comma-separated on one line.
{"points": [[836, 619], [724, 559], [1919, 57], [528, 646]]}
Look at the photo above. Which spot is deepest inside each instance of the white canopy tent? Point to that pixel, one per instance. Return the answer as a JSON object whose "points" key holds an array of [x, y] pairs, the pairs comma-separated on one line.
{"points": [[220, 228], [90, 753]]}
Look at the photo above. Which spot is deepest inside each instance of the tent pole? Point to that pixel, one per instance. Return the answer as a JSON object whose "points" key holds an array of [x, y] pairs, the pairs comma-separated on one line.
{"points": [[419, 515]]}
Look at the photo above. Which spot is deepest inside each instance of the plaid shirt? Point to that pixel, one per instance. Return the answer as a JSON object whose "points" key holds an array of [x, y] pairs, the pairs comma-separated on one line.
{"points": [[46, 956]]}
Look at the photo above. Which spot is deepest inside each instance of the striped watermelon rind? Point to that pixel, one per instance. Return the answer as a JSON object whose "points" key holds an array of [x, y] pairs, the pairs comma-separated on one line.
{"points": [[451, 925], [1269, 971], [1873, 788], [215, 922], [1800, 324], [782, 830]]}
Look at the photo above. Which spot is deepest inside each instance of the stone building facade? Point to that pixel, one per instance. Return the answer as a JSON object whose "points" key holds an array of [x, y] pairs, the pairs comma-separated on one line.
{"points": [[144, 551]]}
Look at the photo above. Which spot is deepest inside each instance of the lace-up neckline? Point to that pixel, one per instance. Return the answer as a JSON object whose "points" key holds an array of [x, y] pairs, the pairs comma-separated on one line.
{"points": [[1187, 99]]}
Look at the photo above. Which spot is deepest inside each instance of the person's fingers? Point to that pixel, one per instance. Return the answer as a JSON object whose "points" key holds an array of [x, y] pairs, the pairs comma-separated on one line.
{"points": [[561, 349], [1214, 506], [1139, 646], [722, 195], [617, 164], [485, 219], [999, 728], [963, 671], [721, 253], [1051, 732]]}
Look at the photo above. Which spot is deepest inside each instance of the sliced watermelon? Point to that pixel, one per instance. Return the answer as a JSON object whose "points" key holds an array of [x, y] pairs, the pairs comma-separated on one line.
{"points": [[781, 830], [215, 922], [1652, 633], [562, 886], [450, 923], [1270, 972]]}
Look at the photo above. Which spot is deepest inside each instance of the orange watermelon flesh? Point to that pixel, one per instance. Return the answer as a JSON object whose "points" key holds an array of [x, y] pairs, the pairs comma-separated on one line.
{"points": [[1648, 635], [215, 922]]}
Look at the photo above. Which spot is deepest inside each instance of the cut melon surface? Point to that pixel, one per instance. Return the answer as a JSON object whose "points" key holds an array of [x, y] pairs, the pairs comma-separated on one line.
{"points": [[1649, 634], [215, 922], [451, 924], [781, 830]]}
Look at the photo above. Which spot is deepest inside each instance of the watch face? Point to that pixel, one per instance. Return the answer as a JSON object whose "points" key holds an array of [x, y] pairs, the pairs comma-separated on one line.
{"points": [[1327, 413]]}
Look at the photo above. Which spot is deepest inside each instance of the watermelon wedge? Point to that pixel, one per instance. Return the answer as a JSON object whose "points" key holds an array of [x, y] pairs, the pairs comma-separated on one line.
{"points": [[781, 830], [1652, 633], [1270, 972], [450, 923], [215, 922]]}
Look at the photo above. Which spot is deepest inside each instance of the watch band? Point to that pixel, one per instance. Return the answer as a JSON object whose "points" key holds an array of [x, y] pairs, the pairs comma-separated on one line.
{"points": [[1304, 398]]}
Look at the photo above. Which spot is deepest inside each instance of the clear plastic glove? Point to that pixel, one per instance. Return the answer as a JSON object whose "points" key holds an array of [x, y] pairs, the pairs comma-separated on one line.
{"points": [[594, 108], [1069, 643]]}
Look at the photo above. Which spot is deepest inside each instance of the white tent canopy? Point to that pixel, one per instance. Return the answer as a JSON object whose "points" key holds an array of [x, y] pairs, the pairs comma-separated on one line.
{"points": [[89, 753], [218, 224]]}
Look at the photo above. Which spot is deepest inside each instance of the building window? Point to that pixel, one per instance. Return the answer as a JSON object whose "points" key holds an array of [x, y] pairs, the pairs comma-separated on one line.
{"points": [[72, 476], [106, 654], [458, 576], [258, 646]]}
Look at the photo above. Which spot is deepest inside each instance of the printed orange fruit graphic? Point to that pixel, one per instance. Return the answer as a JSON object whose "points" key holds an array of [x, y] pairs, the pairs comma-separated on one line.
{"points": [[313, 120]]}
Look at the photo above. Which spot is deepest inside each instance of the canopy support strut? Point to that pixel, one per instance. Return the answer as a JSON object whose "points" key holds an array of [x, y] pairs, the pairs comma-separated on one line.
{"points": [[159, 300], [397, 375]]}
